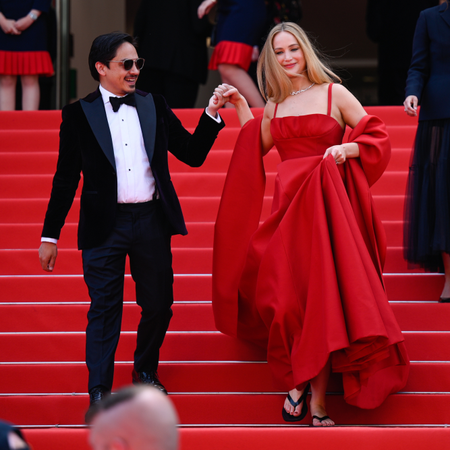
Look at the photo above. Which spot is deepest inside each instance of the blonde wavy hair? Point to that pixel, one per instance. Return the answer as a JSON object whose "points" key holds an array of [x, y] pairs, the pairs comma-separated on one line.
{"points": [[273, 81]]}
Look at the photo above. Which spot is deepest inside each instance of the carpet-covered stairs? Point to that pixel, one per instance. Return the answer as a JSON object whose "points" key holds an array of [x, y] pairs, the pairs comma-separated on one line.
{"points": [[221, 387]]}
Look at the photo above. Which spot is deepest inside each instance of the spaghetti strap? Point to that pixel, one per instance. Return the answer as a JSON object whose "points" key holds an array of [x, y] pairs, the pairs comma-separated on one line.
{"points": [[330, 86], [275, 112]]}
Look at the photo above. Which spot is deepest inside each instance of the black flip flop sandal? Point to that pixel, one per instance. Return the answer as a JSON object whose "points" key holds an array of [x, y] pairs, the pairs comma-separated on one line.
{"points": [[290, 418]]}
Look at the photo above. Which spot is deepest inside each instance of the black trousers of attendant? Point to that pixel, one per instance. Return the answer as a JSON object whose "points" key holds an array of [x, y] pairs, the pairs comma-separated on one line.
{"points": [[141, 233]]}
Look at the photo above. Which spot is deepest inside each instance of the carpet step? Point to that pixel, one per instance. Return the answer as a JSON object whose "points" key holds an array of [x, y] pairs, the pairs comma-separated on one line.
{"points": [[30, 120], [187, 346], [395, 262], [414, 286], [195, 209], [224, 438], [22, 262], [23, 120], [199, 377], [21, 235], [44, 140], [391, 183], [28, 236], [183, 346], [72, 317], [185, 260], [394, 232], [187, 184], [34, 163], [238, 409], [187, 317], [71, 288], [44, 163]]}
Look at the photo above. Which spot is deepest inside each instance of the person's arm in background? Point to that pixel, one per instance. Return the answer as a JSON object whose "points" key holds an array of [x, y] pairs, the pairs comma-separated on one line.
{"points": [[419, 69], [205, 7], [39, 7], [200, 26]]}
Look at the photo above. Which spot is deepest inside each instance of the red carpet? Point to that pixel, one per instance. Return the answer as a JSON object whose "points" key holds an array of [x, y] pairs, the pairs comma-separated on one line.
{"points": [[214, 380], [269, 438]]}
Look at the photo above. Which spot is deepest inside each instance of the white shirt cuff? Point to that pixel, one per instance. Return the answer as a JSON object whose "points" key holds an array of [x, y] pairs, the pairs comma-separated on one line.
{"points": [[53, 241], [218, 119]]}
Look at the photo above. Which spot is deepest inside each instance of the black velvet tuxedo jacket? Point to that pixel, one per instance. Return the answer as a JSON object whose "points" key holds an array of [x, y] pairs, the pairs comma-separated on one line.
{"points": [[86, 147]]}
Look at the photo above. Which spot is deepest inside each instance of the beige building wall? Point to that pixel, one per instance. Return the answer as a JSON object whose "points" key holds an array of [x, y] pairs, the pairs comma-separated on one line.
{"points": [[89, 19]]}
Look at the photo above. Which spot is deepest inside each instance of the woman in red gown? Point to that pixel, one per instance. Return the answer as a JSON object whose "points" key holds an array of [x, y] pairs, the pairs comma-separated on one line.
{"points": [[307, 284]]}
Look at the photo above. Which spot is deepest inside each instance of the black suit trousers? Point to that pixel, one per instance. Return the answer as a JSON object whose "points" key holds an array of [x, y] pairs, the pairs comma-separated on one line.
{"points": [[141, 232]]}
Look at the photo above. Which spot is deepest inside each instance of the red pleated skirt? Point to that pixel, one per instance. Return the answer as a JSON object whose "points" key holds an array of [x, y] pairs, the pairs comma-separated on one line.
{"points": [[26, 63], [228, 52]]}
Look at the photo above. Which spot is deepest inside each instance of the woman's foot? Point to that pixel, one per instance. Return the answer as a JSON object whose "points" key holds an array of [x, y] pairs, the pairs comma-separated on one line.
{"points": [[320, 417], [289, 408]]}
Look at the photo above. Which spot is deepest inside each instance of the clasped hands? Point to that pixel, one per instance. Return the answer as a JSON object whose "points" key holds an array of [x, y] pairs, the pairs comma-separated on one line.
{"points": [[15, 27], [224, 93]]}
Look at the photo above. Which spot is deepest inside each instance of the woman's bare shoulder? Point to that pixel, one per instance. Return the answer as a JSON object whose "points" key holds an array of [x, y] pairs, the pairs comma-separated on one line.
{"points": [[340, 92]]}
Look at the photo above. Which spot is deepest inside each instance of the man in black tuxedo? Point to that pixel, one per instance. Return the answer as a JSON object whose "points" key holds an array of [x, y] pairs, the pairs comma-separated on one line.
{"points": [[118, 137]]}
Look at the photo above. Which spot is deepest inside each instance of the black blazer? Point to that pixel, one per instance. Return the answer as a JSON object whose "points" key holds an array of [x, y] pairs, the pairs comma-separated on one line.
{"points": [[429, 73], [86, 147]]}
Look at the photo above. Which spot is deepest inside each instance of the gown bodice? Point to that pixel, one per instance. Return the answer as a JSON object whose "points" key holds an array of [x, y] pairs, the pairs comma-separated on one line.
{"points": [[306, 135]]}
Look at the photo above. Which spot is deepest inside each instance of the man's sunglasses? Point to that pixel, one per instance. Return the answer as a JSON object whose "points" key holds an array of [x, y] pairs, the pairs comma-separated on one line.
{"points": [[128, 63]]}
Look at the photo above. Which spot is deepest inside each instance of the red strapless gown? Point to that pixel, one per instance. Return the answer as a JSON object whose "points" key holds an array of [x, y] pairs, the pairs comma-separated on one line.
{"points": [[307, 283]]}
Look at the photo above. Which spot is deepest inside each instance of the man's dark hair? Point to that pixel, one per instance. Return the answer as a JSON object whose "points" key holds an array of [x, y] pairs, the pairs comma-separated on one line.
{"points": [[104, 49]]}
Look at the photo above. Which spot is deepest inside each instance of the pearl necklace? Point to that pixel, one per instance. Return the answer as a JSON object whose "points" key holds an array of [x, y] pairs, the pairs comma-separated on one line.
{"points": [[302, 90]]}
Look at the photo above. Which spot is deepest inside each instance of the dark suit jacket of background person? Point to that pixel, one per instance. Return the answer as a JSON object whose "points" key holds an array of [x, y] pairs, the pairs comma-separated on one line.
{"points": [[172, 38], [429, 73], [391, 25], [86, 146]]}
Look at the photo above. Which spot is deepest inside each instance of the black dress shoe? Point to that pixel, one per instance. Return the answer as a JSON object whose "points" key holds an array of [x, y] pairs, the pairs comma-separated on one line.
{"points": [[150, 378], [95, 396], [444, 300]]}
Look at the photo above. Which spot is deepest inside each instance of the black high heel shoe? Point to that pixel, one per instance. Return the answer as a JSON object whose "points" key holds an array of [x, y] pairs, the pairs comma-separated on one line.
{"points": [[290, 418]]}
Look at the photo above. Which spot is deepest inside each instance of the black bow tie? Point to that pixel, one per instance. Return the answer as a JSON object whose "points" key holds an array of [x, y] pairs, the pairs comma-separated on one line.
{"points": [[117, 101]]}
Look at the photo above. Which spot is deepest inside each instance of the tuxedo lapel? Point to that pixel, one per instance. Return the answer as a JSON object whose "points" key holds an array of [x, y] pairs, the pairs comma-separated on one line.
{"points": [[147, 118], [96, 116]]}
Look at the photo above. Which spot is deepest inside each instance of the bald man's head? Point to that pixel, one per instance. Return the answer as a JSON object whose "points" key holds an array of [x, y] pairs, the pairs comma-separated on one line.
{"points": [[136, 418]]}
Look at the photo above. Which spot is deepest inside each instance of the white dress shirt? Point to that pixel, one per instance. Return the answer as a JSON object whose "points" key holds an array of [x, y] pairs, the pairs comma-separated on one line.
{"points": [[135, 181]]}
